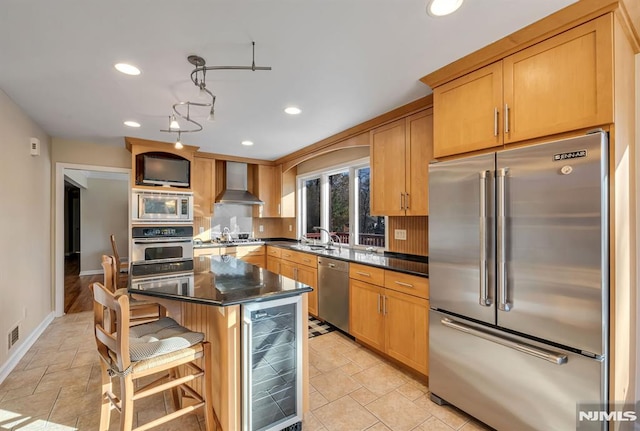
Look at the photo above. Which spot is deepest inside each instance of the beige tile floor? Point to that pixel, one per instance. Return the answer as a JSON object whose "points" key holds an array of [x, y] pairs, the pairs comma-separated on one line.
{"points": [[56, 387]]}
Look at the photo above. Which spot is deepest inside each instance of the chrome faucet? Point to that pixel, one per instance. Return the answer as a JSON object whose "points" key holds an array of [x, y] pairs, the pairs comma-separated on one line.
{"points": [[330, 242]]}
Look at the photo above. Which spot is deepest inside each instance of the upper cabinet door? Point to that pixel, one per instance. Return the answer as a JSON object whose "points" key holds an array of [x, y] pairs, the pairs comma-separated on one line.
{"points": [[420, 151], [466, 112], [267, 187], [561, 84], [387, 169]]}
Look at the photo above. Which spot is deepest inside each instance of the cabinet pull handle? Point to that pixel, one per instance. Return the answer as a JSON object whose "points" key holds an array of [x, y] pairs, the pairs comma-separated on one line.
{"points": [[379, 303], [506, 118], [365, 274], [401, 201], [495, 122], [307, 260], [295, 274], [406, 201], [278, 209], [384, 305], [404, 284]]}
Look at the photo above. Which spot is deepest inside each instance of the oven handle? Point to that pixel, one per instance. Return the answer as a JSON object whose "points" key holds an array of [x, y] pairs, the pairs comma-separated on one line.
{"points": [[160, 240]]}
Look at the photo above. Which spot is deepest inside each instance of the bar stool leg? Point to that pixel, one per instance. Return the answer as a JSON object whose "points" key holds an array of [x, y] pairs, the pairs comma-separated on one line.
{"points": [[105, 408], [126, 398]]}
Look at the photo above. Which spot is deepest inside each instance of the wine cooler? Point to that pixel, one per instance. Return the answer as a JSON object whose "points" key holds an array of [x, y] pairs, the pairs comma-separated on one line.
{"points": [[272, 365]]}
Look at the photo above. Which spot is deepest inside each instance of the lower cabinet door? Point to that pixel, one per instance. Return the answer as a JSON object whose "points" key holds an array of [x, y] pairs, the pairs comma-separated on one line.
{"points": [[309, 276], [366, 321], [407, 329], [273, 264]]}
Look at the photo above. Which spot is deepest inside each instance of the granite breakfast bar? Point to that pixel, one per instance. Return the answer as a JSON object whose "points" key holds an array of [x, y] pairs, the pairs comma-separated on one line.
{"points": [[217, 298]]}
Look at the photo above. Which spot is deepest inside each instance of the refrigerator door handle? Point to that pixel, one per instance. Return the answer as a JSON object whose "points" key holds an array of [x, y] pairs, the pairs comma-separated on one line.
{"points": [[484, 292], [553, 357], [503, 301]]}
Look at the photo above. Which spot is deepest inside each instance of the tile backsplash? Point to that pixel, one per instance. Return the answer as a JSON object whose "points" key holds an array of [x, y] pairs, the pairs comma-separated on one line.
{"points": [[238, 218]]}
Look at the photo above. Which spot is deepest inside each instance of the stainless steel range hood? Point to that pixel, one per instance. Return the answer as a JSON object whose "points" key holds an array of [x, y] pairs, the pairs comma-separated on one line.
{"points": [[235, 191]]}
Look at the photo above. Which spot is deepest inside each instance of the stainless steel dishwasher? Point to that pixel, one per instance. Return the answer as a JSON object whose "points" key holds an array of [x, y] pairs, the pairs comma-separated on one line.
{"points": [[333, 292]]}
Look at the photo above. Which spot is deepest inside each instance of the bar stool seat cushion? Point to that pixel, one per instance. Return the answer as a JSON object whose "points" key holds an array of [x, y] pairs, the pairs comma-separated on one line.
{"points": [[164, 336]]}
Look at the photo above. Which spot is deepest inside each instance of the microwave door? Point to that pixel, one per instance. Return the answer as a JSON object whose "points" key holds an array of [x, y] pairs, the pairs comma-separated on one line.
{"points": [[461, 230]]}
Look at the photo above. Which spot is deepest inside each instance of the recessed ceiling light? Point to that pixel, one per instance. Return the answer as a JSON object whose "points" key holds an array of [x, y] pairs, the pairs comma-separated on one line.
{"points": [[292, 110], [443, 7], [247, 143], [132, 123], [127, 69]]}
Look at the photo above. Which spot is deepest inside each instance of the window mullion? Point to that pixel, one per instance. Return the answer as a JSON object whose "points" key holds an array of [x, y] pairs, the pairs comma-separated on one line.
{"points": [[324, 205]]}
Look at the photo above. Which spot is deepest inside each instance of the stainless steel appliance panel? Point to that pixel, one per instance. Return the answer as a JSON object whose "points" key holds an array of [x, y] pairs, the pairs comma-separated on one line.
{"points": [[509, 382], [461, 228], [161, 249], [552, 243], [333, 292]]}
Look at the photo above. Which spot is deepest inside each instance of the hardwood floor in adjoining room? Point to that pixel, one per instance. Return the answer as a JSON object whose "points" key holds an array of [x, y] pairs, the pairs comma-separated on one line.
{"points": [[77, 295]]}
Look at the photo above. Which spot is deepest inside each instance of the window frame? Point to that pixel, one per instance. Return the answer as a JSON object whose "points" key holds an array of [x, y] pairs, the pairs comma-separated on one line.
{"points": [[323, 174]]}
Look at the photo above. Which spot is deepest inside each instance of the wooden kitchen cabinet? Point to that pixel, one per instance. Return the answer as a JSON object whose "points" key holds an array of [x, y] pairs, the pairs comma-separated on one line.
{"points": [[267, 186], [400, 155], [406, 329], [203, 186], [561, 84], [387, 318], [302, 267], [253, 254], [466, 112], [277, 189], [366, 322]]}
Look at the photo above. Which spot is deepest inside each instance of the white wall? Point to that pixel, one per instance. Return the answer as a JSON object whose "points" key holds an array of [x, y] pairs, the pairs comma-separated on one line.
{"points": [[26, 290], [103, 211]]}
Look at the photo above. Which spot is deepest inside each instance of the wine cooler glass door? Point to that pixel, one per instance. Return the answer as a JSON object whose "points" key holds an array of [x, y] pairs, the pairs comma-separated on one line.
{"points": [[272, 379]]}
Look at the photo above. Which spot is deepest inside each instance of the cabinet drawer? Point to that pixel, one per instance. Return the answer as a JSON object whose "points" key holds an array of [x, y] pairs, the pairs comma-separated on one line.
{"points": [[411, 284], [206, 251], [250, 250], [257, 260], [274, 251], [301, 258], [367, 273]]}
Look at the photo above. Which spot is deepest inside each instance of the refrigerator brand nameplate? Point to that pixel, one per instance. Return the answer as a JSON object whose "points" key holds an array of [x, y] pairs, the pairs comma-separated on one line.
{"points": [[571, 155]]}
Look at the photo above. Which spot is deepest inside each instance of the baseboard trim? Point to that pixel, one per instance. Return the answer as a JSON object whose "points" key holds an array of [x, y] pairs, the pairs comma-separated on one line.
{"points": [[10, 364], [91, 272]]}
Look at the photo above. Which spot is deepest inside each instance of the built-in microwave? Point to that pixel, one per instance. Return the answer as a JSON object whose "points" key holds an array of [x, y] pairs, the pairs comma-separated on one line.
{"points": [[151, 207]]}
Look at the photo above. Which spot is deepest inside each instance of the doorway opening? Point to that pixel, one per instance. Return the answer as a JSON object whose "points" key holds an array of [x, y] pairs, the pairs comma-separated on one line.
{"points": [[92, 202]]}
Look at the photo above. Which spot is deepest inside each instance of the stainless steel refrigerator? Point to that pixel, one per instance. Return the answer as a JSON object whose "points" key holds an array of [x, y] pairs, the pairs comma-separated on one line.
{"points": [[518, 269]]}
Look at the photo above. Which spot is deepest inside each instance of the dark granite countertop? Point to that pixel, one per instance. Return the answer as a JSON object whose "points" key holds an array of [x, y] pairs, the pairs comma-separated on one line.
{"points": [[385, 261], [221, 281]]}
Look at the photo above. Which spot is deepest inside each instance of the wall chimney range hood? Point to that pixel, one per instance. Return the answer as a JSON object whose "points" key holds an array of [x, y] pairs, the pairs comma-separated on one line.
{"points": [[235, 191]]}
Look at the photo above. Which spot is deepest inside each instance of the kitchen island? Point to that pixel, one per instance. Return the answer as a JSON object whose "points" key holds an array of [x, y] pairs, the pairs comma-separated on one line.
{"points": [[216, 298]]}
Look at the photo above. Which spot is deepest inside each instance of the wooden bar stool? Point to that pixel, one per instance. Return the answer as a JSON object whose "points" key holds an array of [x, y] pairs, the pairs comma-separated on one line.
{"points": [[129, 353], [122, 264], [140, 311]]}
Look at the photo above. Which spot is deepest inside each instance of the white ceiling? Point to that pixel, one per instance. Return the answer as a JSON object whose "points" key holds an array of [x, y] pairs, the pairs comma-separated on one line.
{"points": [[341, 61]]}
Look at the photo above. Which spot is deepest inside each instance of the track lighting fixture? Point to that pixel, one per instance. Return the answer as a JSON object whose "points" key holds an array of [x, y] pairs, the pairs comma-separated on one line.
{"points": [[173, 124], [198, 77]]}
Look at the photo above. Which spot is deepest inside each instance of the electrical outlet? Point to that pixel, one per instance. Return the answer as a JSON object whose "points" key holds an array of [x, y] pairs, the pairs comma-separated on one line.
{"points": [[261, 228], [290, 228], [400, 234], [201, 229]]}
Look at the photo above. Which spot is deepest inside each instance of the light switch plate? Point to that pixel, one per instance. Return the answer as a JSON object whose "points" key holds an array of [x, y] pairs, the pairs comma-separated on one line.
{"points": [[261, 228], [400, 234]]}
